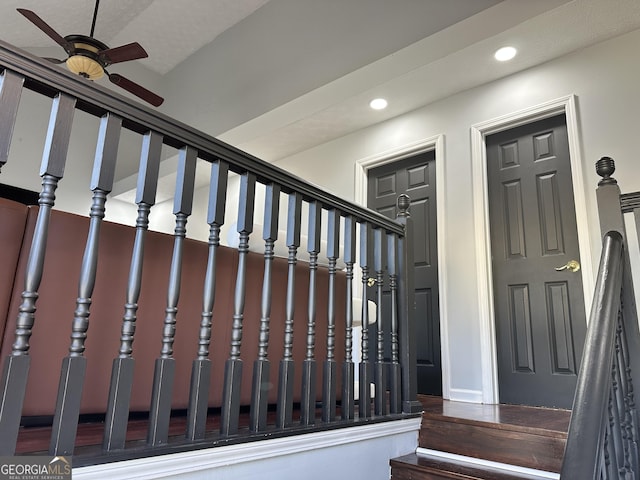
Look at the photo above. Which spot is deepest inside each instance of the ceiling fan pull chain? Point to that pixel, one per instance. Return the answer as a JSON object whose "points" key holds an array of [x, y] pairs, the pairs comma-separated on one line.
{"points": [[95, 15]]}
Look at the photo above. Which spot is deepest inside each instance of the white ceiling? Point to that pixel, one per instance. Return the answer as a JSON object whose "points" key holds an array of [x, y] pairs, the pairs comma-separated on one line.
{"points": [[307, 68], [454, 59]]}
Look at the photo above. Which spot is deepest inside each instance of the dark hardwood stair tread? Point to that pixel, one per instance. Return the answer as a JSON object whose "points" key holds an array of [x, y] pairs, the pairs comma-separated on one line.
{"points": [[538, 420], [417, 467]]}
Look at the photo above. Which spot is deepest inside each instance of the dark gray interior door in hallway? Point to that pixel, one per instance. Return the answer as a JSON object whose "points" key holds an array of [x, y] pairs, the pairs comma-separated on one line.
{"points": [[539, 311], [416, 176]]}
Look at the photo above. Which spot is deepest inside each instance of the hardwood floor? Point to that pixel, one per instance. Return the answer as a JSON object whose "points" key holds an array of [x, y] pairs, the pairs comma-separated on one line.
{"points": [[35, 440]]}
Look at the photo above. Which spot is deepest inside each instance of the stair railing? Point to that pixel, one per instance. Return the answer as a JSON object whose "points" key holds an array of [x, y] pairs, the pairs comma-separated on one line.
{"points": [[603, 433], [69, 93]]}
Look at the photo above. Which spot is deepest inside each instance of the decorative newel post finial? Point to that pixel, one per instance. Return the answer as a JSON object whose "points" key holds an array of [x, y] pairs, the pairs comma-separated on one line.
{"points": [[605, 168], [403, 202]]}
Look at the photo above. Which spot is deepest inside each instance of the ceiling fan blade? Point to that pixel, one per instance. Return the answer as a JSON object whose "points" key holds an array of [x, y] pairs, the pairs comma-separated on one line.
{"points": [[136, 89], [124, 53], [46, 28]]}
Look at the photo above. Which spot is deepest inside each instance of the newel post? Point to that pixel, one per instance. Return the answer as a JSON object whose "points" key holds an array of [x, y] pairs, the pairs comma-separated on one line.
{"points": [[611, 208], [406, 310], [608, 197]]}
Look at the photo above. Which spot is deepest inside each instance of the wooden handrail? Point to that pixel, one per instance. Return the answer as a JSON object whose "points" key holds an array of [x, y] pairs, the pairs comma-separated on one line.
{"points": [[586, 429]]}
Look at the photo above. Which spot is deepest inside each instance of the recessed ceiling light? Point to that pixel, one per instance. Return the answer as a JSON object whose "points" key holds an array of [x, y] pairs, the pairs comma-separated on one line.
{"points": [[505, 53], [378, 104]]}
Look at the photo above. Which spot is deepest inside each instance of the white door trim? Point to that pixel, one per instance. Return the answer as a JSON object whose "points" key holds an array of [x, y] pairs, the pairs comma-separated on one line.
{"points": [[479, 131], [362, 167]]}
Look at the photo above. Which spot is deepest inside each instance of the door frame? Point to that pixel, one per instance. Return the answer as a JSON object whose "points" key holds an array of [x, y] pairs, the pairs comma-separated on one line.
{"points": [[362, 167], [486, 310]]}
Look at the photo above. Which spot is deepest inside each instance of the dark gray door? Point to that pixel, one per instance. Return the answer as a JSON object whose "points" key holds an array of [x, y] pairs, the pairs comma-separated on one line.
{"points": [[540, 317], [416, 176]]}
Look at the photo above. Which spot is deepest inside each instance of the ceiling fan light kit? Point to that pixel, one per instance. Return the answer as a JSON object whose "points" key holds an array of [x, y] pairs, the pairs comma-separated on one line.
{"points": [[85, 67], [89, 57]]}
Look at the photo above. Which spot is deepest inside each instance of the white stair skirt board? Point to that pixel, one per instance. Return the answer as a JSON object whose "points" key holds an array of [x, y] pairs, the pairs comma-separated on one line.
{"points": [[350, 450], [529, 473]]}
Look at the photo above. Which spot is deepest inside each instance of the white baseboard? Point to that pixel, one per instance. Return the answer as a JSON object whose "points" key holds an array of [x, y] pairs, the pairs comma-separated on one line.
{"points": [[465, 395]]}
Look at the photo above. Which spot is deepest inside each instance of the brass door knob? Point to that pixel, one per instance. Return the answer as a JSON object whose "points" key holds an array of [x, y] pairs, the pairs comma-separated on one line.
{"points": [[572, 265]]}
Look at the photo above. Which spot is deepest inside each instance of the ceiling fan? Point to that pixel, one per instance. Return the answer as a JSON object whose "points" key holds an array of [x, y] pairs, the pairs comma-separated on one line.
{"points": [[90, 58]]}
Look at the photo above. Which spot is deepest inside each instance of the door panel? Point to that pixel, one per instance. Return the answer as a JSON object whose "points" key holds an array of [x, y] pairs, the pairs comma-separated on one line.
{"points": [[520, 322], [540, 317], [415, 176]]}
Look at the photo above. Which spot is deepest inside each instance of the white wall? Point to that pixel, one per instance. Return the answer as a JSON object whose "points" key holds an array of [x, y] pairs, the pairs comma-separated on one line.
{"points": [[605, 78]]}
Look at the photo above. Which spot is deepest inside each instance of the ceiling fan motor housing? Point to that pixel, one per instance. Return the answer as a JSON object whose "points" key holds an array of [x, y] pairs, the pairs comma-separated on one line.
{"points": [[84, 56]]}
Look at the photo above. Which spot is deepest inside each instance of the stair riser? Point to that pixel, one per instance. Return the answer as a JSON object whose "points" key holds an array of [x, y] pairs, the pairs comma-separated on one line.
{"points": [[541, 452]]}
